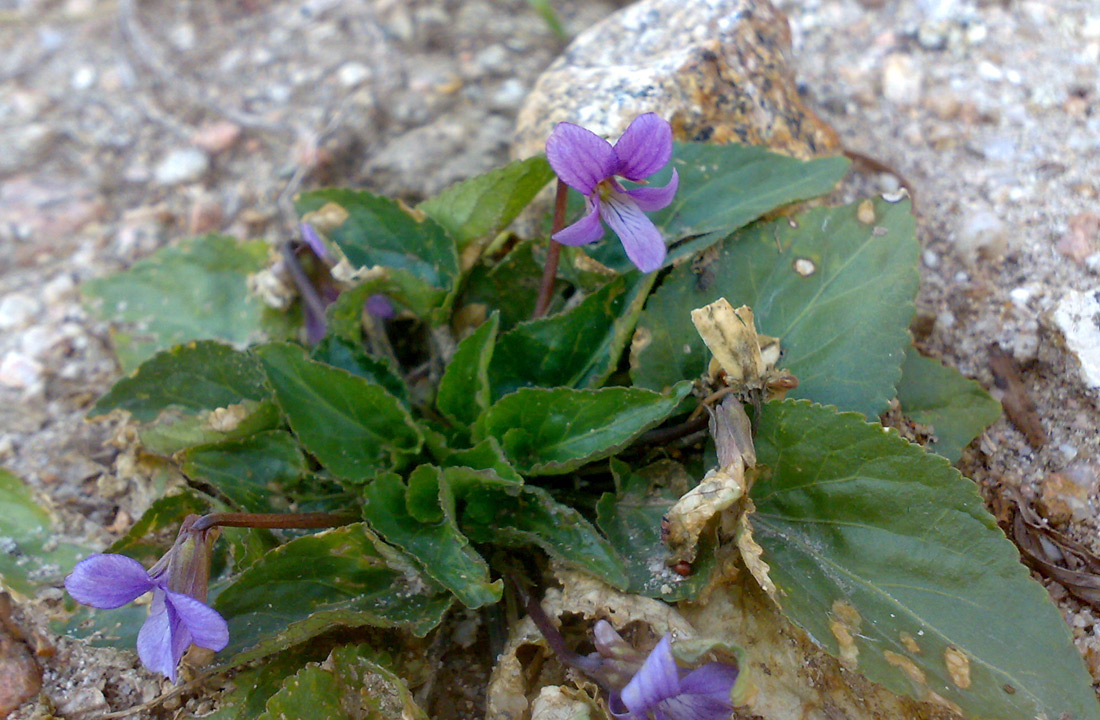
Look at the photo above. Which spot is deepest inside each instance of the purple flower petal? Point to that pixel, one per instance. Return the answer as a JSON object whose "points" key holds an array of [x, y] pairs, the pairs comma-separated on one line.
{"points": [[154, 643], [714, 678], [649, 199], [657, 680], [580, 157], [586, 230], [107, 581], [205, 626], [644, 148], [314, 241], [640, 237], [694, 707]]}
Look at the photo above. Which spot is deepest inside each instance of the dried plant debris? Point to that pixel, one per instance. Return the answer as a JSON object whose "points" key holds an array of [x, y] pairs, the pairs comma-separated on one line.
{"points": [[1017, 403], [1049, 552]]}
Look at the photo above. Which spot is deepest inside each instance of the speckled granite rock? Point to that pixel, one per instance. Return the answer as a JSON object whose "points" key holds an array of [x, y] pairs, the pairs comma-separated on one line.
{"points": [[716, 69]]}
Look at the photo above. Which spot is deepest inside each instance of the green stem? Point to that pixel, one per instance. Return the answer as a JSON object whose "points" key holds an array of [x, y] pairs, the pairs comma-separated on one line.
{"points": [[550, 271]]}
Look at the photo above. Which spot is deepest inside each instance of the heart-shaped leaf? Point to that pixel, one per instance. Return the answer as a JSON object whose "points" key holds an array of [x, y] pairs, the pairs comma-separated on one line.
{"points": [[887, 557], [835, 285]]}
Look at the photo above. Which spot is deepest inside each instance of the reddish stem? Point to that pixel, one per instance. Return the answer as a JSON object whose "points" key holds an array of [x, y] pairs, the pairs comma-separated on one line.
{"points": [[553, 253]]}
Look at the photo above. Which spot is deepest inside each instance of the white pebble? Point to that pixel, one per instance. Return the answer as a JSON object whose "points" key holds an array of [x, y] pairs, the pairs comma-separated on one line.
{"points": [[353, 74], [83, 78], [930, 258], [989, 71], [182, 165], [1076, 317], [901, 79], [19, 371], [58, 289], [982, 236], [17, 310], [38, 340]]}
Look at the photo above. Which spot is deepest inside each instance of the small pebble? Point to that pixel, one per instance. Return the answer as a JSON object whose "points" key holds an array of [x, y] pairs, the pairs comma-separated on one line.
{"points": [[17, 310], [206, 215], [982, 236], [353, 74], [216, 137], [182, 165], [1082, 238], [83, 78], [901, 79], [19, 371], [989, 71], [58, 289], [1076, 317]]}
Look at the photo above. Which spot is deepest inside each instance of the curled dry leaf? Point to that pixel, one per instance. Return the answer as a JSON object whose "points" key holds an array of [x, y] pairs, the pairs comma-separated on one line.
{"points": [[720, 488], [1017, 403], [1052, 554], [747, 359]]}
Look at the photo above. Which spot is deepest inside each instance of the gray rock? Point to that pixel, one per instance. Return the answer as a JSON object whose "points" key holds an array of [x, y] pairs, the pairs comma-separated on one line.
{"points": [[717, 70], [17, 310]]}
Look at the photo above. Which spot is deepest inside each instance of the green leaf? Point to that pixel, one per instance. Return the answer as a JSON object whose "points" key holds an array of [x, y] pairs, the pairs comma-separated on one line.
{"points": [[505, 513], [552, 431], [418, 255], [349, 685], [486, 204], [837, 292], [353, 426], [432, 538], [956, 408], [631, 518], [30, 555], [198, 376], [464, 388], [578, 348], [343, 577], [195, 290], [875, 542], [722, 188], [311, 692], [176, 430], [348, 355], [509, 286], [250, 472], [253, 686], [486, 455]]}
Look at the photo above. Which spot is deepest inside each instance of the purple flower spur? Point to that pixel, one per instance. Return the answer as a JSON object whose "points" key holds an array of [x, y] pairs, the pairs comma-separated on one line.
{"points": [[590, 165], [178, 616]]}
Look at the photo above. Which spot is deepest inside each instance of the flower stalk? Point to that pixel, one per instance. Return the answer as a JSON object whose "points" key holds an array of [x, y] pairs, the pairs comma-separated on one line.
{"points": [[553, 253]]}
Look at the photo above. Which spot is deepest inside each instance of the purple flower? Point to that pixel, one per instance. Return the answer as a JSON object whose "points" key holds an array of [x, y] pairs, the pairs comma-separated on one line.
{"points": [[178, 617], [664, 690], [589, 164]]}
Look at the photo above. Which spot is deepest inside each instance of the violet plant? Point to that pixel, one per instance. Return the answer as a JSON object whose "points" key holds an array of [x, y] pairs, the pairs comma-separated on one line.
{"points": [[483, 403]]}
